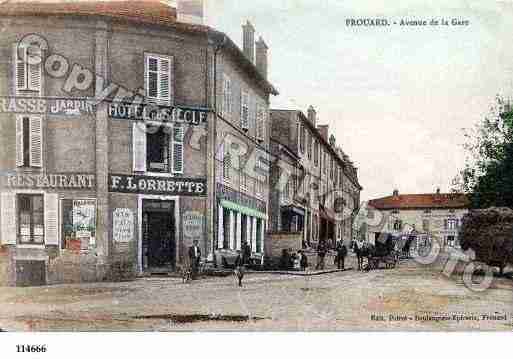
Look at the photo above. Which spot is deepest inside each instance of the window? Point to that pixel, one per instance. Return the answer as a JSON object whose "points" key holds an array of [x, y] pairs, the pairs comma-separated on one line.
{"points": [[316, 153], [259, 188], [425, 224], [28, 69], [302, 135], [158, 78], [30, 219], [398, 225], [29, 141], [451, 224], [450, 241], [227, 96], [227, 164], [326, 163], [427, 211], [310, 147], [286, 191], [158, 148], [244, 110], [260, 123], [243, 181]]}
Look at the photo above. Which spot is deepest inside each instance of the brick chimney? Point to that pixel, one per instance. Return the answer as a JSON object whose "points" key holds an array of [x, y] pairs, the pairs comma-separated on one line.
{"points": [[312, 115], [323, 130], [261, 56], [190, 11], [248, 41]]}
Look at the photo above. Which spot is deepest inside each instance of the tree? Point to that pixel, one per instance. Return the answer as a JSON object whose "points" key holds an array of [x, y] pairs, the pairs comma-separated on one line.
{"points": [[488, 174], [489, 233]]}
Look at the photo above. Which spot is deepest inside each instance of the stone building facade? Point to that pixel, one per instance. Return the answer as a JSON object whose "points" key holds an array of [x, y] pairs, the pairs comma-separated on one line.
{"points": [[109, 141], [419, 216], [326, 187]]}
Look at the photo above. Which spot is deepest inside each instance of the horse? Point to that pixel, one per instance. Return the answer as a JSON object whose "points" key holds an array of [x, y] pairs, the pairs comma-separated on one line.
{"points": [[361, 253]]}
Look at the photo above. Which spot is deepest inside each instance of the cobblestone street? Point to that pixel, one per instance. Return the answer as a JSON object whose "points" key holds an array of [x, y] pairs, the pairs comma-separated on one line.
{"points": [[338, 301]]}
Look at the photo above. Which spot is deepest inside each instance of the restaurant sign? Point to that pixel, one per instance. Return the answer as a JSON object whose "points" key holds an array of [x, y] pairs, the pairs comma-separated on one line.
{"points": [[171, 186], [48, 181]]}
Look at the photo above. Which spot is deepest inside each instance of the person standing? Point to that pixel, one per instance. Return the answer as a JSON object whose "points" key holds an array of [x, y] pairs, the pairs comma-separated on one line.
{"points": [[194, 258], [341, 254], [303, 261], [321, 255]]}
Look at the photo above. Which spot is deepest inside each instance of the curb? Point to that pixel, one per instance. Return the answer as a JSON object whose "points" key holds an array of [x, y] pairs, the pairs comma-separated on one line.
{"points": [[303, 274]]}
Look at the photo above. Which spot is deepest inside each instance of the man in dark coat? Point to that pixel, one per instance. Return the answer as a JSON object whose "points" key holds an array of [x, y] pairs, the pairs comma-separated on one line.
{"points": [[194, 258], [246, 253], [341, 255], [321, 254]]}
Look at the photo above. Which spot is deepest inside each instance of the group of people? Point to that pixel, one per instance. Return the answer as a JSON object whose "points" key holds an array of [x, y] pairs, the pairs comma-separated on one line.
{"points": [[293, 260], [340, 257]]}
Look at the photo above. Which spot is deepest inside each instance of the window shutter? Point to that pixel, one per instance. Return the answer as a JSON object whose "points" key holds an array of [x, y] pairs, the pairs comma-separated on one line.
{"points": [[35, 69], [178, 134], [36, 141], [260, 123], [51, 204], [244, 110], [19, 141], [151, 77], [166, 80], [20, 67], [139, 147], [445, 224], [8, 218]]}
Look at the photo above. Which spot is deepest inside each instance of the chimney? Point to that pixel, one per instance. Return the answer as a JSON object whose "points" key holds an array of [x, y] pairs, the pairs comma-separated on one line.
{"points": [[323, 130], [396, 192], [312, 115], [261, 57], [190, 11], [248, 41]]}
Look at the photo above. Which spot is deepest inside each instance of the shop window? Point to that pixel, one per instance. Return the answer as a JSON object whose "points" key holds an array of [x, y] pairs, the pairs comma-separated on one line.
{"points": [[30, 219], [78, 223]]}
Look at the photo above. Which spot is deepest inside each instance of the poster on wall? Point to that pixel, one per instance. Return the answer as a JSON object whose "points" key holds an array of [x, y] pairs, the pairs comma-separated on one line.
{"points": [[84, 221], [123, 225], [193, 224]]}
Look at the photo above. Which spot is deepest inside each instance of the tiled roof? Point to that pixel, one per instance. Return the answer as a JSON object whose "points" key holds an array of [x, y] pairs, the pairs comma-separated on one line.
{"points": [[151, 12], [144, 11], [424, 201]]}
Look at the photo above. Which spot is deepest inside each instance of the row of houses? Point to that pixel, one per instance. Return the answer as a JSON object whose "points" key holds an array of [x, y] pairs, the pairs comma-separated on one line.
{"points": [[129, 130]]}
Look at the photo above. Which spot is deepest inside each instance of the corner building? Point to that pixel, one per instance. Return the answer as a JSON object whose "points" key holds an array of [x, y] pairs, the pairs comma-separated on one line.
{"points": [[107, 164]]}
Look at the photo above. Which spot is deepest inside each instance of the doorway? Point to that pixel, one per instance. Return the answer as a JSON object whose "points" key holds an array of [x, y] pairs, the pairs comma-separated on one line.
{"points": [[159, 235]]}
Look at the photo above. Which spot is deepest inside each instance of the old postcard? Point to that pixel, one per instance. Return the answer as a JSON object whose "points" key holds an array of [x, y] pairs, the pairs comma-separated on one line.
{"points": [[270, 165]]}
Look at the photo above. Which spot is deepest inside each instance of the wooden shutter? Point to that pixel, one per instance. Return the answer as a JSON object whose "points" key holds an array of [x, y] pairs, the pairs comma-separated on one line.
{"points": [[178, 135], [19, 142], [244, 110], [20, 68], [36, 141], [8, 218], [51, 204], [151, 77], [34, 67], [166, 80], [139, 147]]}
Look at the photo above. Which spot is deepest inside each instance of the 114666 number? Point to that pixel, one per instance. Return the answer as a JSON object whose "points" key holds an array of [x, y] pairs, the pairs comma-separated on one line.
{"points": [[27, 348]]}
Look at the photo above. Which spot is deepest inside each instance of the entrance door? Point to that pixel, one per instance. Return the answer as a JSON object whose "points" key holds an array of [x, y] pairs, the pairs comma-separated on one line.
{"points": [[159, 246]]}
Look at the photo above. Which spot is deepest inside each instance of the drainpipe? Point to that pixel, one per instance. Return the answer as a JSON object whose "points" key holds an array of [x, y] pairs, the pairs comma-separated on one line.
{"points": [[217, 47]]}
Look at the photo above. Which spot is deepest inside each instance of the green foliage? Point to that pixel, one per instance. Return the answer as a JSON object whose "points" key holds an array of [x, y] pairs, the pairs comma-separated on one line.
{"points": [[488, 173]]}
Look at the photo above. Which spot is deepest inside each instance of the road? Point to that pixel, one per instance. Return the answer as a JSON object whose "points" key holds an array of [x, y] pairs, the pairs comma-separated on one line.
{"points": [[350, 300]]}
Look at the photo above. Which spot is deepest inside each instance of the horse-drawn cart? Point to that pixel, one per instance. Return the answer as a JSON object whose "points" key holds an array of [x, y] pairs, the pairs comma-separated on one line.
{"points": [[383, 251]]}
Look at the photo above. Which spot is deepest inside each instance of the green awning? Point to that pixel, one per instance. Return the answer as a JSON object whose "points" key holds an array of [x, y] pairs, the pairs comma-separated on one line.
{"points": [[244, 210]]}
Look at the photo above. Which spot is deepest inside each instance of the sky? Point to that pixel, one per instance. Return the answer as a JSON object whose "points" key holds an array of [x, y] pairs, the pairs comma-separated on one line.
{"points": [[396, 98]]}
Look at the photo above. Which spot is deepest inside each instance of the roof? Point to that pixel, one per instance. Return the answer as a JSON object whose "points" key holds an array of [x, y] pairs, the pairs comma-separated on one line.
{"points": [[150, 12], [422, 201]]}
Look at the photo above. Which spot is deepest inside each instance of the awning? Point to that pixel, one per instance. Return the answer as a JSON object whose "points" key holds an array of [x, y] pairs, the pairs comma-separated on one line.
{"points": [[244, 210], [294, 209]]}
